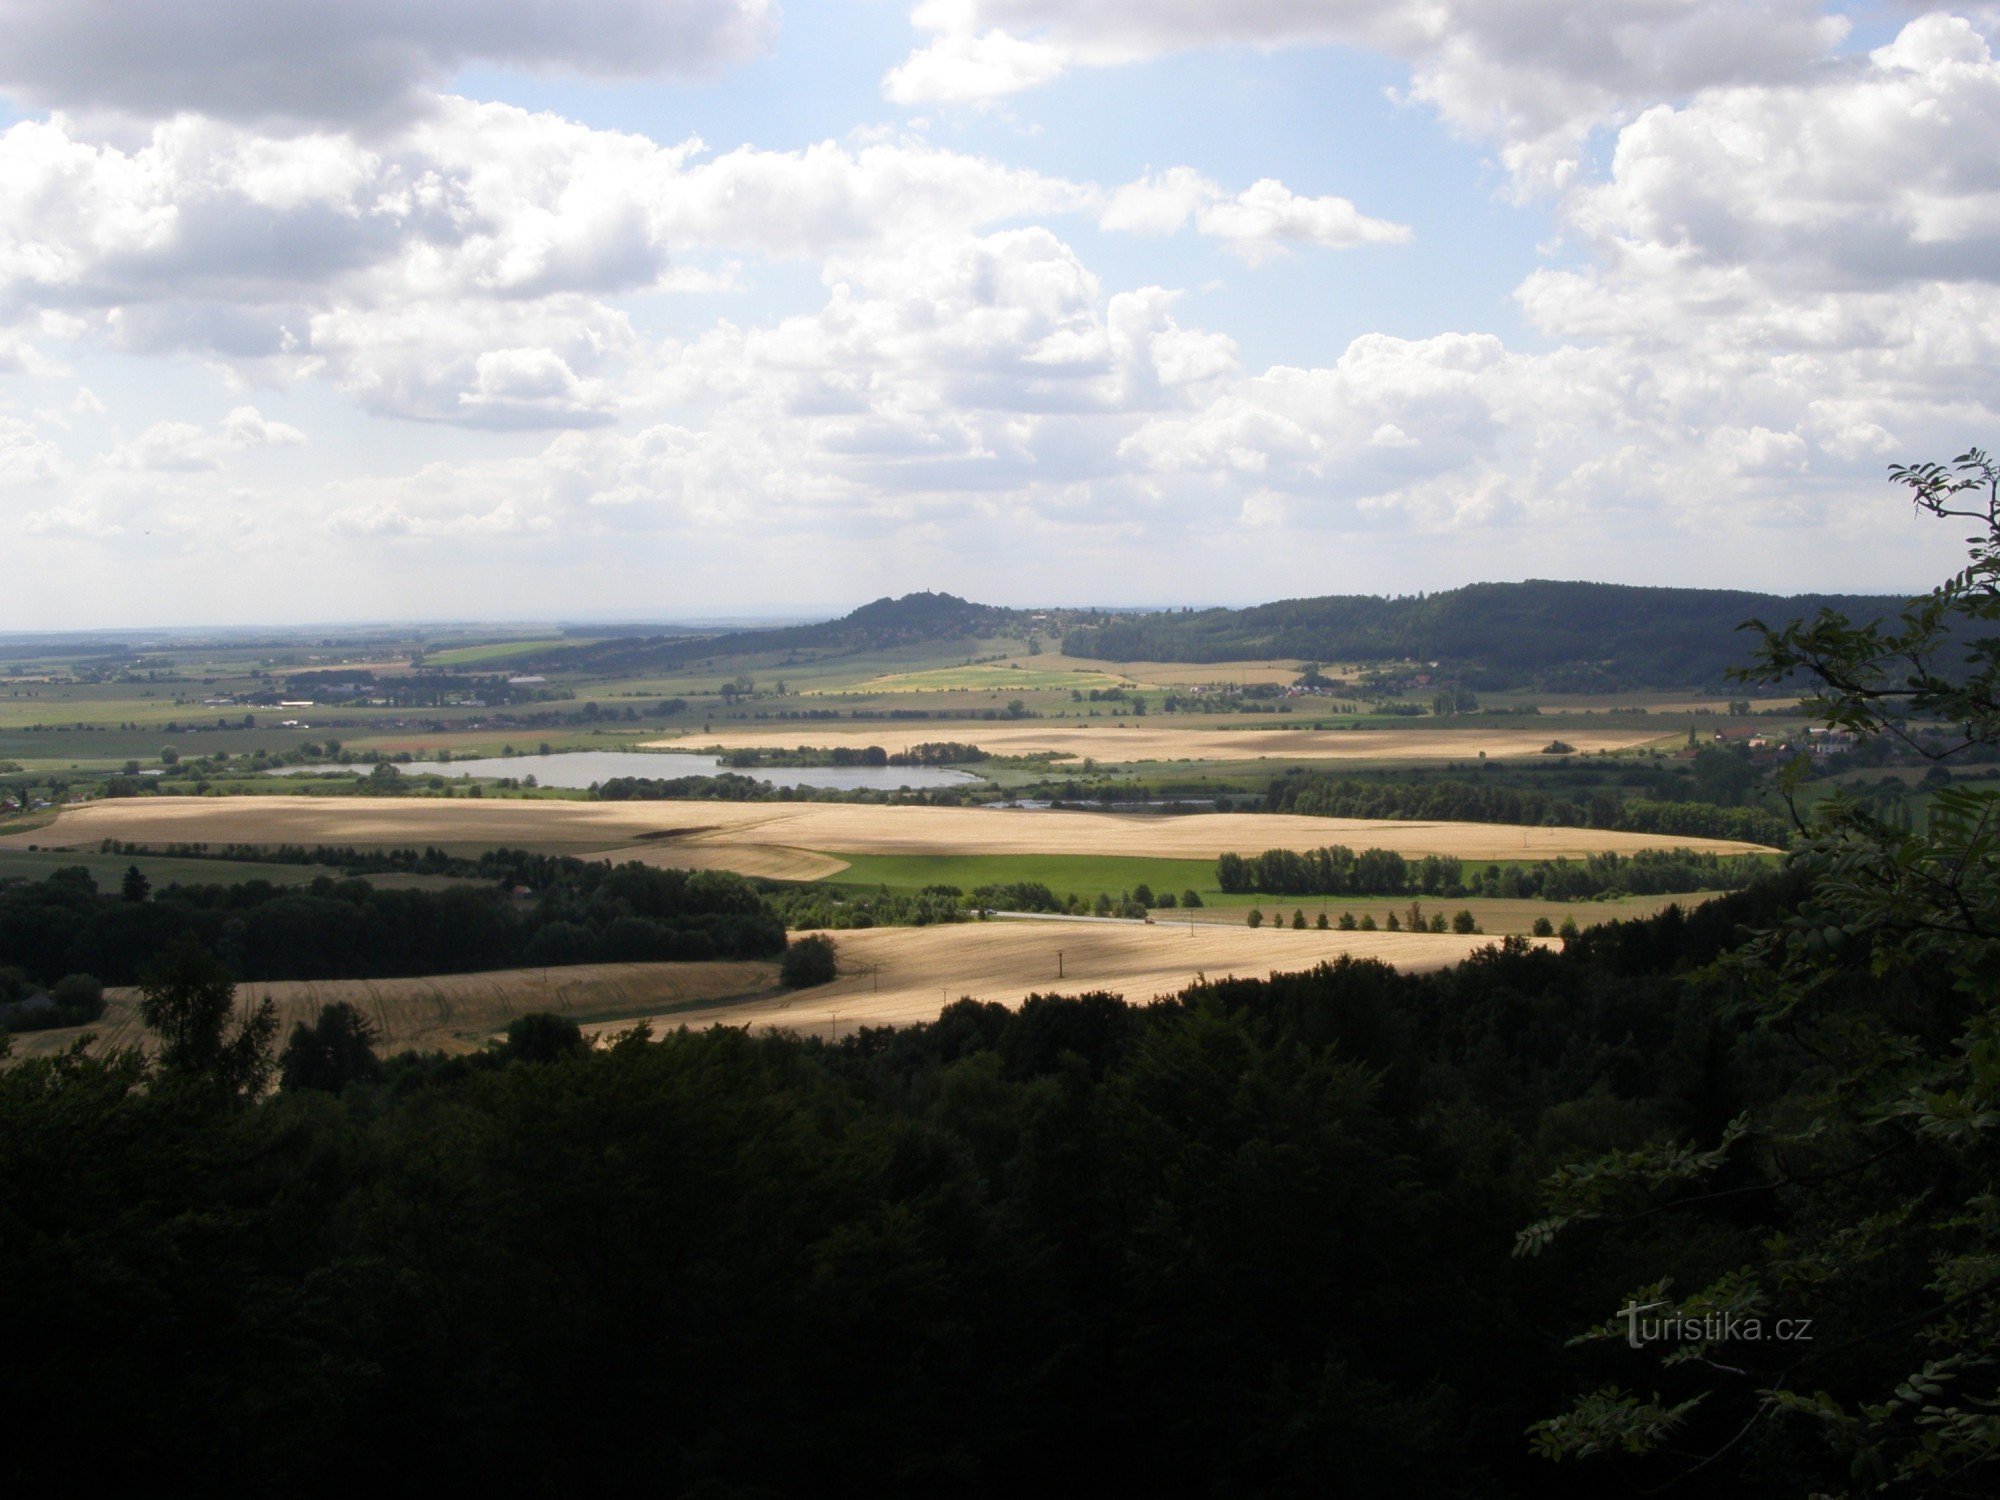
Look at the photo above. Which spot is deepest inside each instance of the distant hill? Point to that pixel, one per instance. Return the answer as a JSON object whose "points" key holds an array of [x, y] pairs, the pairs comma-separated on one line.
{"points": [[913, 620], [1576, 637], [1573, 637]]}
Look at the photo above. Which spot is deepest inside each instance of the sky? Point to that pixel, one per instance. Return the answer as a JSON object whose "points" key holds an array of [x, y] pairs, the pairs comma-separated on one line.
{"points": [[669, 309]]}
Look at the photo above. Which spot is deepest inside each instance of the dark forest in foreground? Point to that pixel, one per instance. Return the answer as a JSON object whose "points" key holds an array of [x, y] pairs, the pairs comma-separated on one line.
{"points": [[1252, 1240]]}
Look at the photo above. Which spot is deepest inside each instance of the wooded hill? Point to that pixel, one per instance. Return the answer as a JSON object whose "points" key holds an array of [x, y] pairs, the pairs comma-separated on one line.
{"points": [[1556, 636], [913, 620]]}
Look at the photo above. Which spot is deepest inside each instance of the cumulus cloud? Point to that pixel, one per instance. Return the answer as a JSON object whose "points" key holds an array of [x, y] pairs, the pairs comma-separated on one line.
{"points": [[1878, 175], [185, 447], [950, 367], [313, 62], [1536, 76], [26, 457], [1258, 224], [1828, 249], [425, 273], [483, 197], [966, 67]]}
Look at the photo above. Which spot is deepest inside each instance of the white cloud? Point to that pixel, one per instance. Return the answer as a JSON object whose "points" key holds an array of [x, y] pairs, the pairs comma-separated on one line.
{"points": [[70, 521], [482, 233], [968, 68], [1831, 248], [1258, 224], [1536, 76], [313, 61], [26, 457], [1878, 175], [184, 447]]}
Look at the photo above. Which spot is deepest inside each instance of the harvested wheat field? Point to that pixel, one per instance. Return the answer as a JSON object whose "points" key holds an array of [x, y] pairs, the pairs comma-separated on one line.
{"points": [[465, 824], [1115, 743], [458, 1012], [765, 836], [898, 976]]}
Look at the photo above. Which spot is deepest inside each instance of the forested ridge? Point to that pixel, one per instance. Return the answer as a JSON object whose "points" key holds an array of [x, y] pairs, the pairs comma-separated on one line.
{"points": [[1556, 636]]}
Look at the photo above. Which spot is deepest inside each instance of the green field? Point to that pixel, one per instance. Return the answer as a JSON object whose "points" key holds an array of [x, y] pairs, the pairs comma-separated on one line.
{"points": [[998, 676], [1080, 874], [465, 656]]}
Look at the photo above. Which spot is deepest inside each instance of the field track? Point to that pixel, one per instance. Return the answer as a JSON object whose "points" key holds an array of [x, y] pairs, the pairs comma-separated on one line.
{"points": [[1112, 743], [896, 976], [770, 837]]}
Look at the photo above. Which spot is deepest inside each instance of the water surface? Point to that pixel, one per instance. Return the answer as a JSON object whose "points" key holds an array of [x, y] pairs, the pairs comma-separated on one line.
{"points": [[584, 768]]}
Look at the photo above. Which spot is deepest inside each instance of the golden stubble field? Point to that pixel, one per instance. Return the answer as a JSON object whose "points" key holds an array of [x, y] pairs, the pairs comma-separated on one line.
{"points": [[775, 837], [1119, 742], [455, 1012], [896, 976]]}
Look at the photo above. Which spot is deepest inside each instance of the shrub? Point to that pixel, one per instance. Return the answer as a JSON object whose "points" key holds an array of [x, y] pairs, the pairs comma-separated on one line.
{"points": [[543, 1037], [808, 961]]}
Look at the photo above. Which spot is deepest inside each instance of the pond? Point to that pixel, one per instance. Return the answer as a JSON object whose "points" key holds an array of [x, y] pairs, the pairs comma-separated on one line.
{"points": [[583, 768]]}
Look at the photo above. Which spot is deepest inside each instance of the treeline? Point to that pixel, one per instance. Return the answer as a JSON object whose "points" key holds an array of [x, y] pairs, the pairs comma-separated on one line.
{"points": [[1249, 1240], [1339, 871], [934, 753], [1323, 796], [511, 865], [727, 786], [73, 1000], [939, 753], [349, 929], [832, 906], [813, 906]]}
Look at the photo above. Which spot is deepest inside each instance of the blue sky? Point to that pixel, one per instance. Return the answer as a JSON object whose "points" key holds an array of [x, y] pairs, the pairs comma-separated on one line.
{"points": [[660, 308]]}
